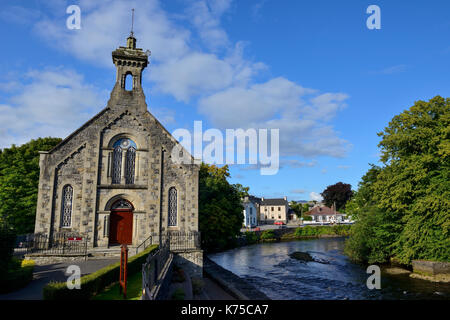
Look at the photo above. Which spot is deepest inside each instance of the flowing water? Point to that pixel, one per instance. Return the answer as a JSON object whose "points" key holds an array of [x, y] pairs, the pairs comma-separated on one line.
{"points": [[270, 269]]}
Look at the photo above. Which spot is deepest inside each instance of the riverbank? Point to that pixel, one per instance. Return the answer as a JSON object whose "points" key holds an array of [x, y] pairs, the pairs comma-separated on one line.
{"points": [[291, 234]]}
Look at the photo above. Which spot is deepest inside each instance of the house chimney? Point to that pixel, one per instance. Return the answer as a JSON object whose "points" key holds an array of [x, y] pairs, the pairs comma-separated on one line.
{"points": [[262, 199], [285, 198]]}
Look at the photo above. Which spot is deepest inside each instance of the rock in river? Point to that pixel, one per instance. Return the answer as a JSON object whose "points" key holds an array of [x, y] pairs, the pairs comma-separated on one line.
{"points": [[302, 256], [305, 257]]}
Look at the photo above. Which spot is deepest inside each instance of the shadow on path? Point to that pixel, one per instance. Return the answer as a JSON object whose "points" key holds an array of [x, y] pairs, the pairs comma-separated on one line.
{"points": [[43, 274]]}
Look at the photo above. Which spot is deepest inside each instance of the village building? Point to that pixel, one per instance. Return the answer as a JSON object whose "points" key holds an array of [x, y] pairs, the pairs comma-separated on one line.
{"points": [[325, 214], [273, 210], [250, 213], [113, 180]]}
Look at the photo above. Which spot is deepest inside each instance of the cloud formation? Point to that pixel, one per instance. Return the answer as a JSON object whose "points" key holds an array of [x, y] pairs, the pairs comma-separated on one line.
{"points": [[50, 102], [194, 60]]}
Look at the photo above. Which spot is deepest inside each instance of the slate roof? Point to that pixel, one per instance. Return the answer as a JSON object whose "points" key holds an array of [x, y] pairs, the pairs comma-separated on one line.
{"points": [[274, 202], [320, 211]]}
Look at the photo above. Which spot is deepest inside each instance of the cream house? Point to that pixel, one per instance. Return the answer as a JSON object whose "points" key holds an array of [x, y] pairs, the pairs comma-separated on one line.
{"points": [[273, 210]]}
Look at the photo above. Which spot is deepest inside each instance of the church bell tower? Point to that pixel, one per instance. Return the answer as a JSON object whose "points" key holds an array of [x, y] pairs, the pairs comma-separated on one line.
{"points": [[130, 62]]}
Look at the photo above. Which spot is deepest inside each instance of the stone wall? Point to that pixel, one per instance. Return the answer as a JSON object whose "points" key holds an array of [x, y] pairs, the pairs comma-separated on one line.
{"points": [[431, 267], [191, 261], [236, 286]]}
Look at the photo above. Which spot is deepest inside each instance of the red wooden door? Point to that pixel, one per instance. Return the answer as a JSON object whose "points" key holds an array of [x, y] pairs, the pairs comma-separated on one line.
{"points": [[121, 227]]}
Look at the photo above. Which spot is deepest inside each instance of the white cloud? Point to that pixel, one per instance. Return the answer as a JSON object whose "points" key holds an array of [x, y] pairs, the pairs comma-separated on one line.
{"points": [[53, 102], [299, 113], [315, 196], [217, 74], [205, 16], [298, 191]]}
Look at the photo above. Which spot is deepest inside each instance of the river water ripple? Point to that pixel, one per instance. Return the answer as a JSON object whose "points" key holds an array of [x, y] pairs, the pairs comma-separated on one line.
{"points": [[270, 269]]}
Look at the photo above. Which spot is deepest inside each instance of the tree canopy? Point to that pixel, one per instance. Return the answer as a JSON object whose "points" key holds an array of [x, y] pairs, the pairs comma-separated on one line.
{"points": [[19, 180], [220, 209], [337, 194], [403, 207]]}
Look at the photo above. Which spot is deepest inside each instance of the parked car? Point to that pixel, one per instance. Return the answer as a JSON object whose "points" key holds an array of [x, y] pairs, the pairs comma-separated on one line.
{"points": [[279, 223], [257, 229]]}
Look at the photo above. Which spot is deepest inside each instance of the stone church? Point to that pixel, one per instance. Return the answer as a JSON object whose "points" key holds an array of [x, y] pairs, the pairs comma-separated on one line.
{"points": [[113, 179]]}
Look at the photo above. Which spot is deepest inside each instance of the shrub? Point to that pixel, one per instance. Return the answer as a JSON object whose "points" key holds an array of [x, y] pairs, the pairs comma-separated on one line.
{"points": [[178, 294], [7, 241], [251, 237], [268, 235], [94, 283], [18, 276]]}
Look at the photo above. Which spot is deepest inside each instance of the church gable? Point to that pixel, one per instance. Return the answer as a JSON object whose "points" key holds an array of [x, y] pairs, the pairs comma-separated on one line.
{"points": [[118, 167]]}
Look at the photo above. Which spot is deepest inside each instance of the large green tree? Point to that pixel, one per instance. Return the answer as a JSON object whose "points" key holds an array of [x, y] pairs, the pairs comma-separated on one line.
{"points": [[19, 180], [408, 199], [220, 208]]}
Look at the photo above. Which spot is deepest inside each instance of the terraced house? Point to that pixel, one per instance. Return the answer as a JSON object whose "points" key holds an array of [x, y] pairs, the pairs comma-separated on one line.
{"points": [[113, 179]]}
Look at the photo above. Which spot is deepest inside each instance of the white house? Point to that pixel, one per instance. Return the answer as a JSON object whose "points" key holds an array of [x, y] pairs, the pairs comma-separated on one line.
{"points": [[250, 213], [325, 215]]}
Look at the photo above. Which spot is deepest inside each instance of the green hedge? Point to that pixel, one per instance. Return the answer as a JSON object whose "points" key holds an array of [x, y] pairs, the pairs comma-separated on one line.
{"points": [[17, 277], [268, 235], [307, 231], [94, 283]]}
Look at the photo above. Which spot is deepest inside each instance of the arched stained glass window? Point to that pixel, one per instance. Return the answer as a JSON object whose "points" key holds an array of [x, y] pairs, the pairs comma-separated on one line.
{"points": [[66, 206], [122, 204], [128, 147], [172, 207], [129, 165], [117, 165]]}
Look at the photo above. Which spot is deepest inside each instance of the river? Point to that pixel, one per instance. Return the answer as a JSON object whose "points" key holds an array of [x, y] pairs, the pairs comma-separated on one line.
{"points": [[270, 269]]}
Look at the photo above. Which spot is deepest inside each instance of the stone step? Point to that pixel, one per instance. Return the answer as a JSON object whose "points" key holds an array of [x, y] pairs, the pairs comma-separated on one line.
{"points": [[109, 252]]}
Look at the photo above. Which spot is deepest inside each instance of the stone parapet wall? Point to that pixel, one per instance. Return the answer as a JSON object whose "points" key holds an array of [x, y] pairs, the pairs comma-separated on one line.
{"points": [[234, 285], [431, 267], [191, 261]]}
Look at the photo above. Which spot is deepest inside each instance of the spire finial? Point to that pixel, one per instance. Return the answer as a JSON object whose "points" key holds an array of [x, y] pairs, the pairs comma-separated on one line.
{"points": [[132, 21]]}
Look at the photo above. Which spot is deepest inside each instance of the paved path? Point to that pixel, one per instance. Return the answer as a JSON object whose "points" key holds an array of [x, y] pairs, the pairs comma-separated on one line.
{"points": [[43, 274], [212, 291]]}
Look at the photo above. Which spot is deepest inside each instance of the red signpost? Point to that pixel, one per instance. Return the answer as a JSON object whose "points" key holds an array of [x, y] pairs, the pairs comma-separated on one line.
{"points": [[123, 270]]}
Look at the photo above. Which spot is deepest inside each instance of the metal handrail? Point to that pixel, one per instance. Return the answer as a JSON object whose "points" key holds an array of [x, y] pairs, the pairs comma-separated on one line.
{"points": [[143, 243]]}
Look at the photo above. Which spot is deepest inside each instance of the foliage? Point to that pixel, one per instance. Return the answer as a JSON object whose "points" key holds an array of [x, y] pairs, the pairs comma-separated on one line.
{"points": [[307, 217], [7, 241], [243, 191], [220, 208], [297, 208], [18, 275], [338, 194], [178, 294], [268, 235], [94, 283], [308, 231], [403, 208], [19, 180], [251, 237]]}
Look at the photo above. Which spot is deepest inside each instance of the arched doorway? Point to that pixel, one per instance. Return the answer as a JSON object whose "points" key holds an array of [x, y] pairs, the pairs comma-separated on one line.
{"points": [[121, 223]]}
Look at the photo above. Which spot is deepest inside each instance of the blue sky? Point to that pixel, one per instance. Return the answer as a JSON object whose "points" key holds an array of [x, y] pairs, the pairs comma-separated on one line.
{"points": [[311, 68]]}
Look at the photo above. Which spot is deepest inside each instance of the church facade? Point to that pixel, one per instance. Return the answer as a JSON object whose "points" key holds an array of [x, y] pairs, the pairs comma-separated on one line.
{"points": [[113, 179]]}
